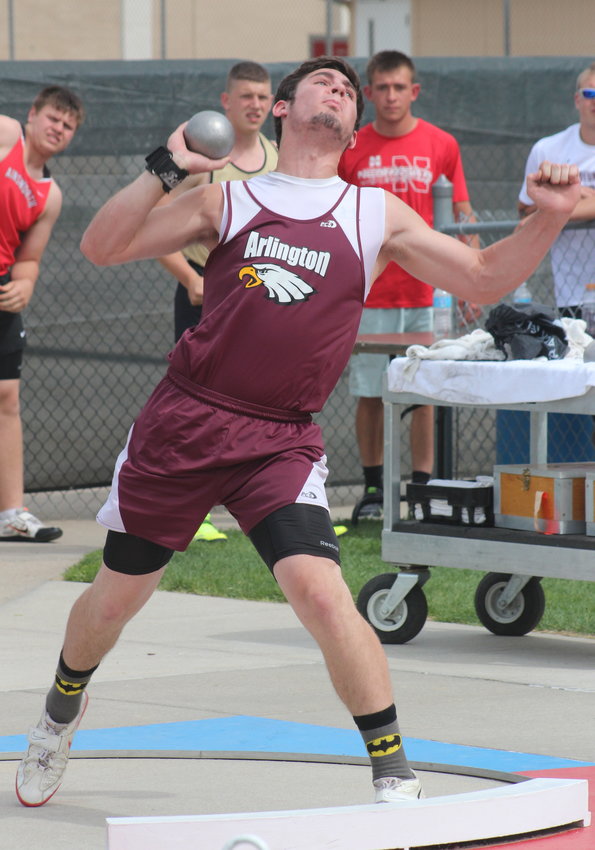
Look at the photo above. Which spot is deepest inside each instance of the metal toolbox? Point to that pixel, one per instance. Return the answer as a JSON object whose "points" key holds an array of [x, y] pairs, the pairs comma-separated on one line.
{"points": [[549, 497]]}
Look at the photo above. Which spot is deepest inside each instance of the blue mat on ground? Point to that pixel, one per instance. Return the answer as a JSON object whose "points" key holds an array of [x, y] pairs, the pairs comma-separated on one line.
{"points": [[259, 734]]}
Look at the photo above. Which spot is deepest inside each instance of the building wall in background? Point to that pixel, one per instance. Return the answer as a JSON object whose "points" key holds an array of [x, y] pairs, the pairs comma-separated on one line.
{"points": [[272, 31], [62, 29], [552, 28], [456, 29], [474, 27], [266, 31], [381, 25]]}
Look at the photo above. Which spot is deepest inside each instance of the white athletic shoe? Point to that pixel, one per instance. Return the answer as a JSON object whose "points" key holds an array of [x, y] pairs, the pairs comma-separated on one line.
{"points": [[40, 773], [389, 789], [23, 525]]}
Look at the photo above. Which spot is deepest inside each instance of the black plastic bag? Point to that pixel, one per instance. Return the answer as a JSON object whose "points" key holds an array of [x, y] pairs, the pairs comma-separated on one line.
{"points": [[524, 333]]}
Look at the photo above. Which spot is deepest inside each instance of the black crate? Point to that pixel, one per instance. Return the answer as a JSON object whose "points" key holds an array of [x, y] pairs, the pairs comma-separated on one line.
{"points": [[457, 497]]}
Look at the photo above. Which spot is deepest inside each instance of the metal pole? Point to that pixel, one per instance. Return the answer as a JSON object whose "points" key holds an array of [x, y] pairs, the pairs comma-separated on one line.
{"points": [[443, 215], [371, 35], [10, 30], [164, 29], [442, 200], [506, 22], [329, 27]]}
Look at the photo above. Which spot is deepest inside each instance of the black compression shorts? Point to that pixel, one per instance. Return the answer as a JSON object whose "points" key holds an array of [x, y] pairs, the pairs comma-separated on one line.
{"points": [[10, 365], [296, 529], [132, 555]]}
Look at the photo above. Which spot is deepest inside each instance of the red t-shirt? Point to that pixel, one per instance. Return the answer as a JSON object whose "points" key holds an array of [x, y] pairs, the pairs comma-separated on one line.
{"points": [[407, 166], [22, 201]]}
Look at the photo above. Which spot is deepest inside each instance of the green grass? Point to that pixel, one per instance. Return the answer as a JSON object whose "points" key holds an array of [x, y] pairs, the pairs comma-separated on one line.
{"points": [[233, 569]]}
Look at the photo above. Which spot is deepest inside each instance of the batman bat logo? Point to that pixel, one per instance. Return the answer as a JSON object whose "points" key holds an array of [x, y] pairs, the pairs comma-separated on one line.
{"points": [[69, 688], [385, 746]]}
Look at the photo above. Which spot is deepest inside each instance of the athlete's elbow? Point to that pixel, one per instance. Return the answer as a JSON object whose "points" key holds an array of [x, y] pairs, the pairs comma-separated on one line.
{"points": [[484, 295], [94, 251], [483, 287], [489, 288]]}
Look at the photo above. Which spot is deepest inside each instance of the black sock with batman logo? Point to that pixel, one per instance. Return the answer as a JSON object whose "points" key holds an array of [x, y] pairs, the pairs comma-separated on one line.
{"points": [[384, 744]]}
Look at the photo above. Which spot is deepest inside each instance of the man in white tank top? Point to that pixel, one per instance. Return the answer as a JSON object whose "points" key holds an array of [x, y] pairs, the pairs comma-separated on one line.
{"points": [[316, 112]]}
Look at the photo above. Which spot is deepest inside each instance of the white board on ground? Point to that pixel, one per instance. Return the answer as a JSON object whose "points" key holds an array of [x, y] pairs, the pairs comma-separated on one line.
{"points": [[519, 809]]}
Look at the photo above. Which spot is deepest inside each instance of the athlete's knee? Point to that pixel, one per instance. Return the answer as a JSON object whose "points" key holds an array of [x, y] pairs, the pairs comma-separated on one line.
{"points": [[9, 399], [315, 588], [131, 570], [106, 612], [322, 607], [114, 598]]}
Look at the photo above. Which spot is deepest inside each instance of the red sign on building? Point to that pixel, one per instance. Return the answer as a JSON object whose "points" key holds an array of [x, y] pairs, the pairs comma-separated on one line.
{"points": [[318, 46]]}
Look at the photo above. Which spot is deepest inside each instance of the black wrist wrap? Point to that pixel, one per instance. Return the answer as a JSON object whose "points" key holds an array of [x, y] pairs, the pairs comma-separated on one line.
{"points": [[161, 164]]}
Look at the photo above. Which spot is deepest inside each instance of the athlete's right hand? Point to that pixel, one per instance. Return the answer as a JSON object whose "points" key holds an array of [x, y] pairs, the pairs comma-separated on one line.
{"points": [[195, 163], [15, 295]]}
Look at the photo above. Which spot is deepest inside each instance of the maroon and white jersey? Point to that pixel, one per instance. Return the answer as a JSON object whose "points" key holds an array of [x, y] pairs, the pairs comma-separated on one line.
{"points": [[284, 291]]}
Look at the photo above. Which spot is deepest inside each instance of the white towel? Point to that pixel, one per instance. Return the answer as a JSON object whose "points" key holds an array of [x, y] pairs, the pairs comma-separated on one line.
{"points": [[508, 382], [478, 345], [577, 338]]}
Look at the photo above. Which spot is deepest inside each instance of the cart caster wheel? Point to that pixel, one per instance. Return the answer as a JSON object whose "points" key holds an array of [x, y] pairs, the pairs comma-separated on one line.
{"points": [[521, 616], [405, 622]]}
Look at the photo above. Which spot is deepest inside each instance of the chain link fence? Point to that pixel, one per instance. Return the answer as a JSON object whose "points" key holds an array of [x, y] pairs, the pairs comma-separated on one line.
{"points": [[98, 338]]}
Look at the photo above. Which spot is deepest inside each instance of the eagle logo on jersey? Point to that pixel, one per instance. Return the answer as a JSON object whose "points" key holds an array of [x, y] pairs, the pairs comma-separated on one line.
{"points": [[282, 286]]}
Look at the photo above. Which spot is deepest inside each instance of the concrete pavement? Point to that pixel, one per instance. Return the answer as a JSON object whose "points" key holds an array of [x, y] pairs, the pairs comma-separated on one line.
{"points": [[197, 675]]}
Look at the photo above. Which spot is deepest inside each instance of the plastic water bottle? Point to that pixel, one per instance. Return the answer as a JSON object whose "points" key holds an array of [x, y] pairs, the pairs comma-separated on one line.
{"points": [[522, 295], [442, 313], [588, 308]]}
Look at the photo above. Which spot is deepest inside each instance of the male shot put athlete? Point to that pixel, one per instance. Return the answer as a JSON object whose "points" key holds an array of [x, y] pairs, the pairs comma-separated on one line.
{"points": [[293, 254]]}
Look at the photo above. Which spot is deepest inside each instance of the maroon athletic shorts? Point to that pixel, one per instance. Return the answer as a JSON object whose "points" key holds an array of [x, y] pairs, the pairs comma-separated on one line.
{"points": [[186, 454]]}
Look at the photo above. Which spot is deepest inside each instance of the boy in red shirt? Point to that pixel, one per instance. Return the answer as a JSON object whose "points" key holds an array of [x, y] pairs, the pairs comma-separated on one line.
{"points": [[30, 202], [404, 155]]}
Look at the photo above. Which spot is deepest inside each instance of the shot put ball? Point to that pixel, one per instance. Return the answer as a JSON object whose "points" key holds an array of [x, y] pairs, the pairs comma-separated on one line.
{"points": [[209, 133]]}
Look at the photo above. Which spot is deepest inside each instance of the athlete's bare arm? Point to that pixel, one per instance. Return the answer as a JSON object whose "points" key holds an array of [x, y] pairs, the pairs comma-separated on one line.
{"points": [[176, 263], [583, 211], [485, 275], [133, 225], [10, 130], [16, 294]]}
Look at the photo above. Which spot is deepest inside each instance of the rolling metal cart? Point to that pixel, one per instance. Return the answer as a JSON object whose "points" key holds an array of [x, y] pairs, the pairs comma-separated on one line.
{"points": [[509, 599]]}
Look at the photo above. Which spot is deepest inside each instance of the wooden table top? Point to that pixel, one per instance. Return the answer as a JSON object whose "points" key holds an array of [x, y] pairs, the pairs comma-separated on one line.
{"points": [[392, 344]]}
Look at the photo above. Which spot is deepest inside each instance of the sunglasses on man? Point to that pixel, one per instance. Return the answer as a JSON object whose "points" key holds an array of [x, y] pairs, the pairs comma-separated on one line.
{"points": [[588, 94]]}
